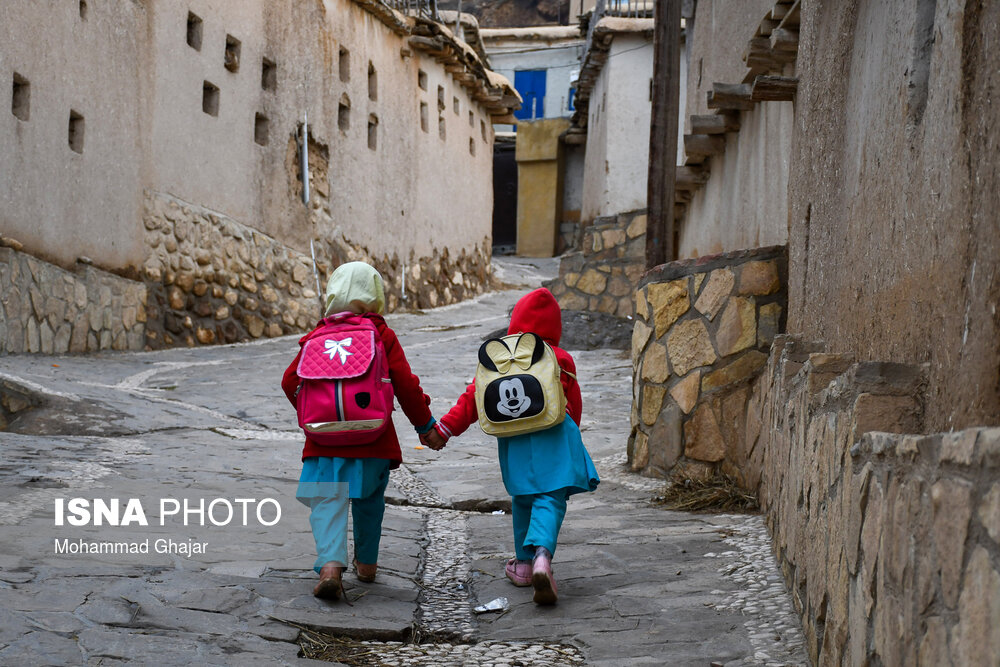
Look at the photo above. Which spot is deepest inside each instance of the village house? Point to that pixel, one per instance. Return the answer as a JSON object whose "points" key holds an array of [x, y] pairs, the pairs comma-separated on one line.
{"points": [[151, 190], [828, 337]]}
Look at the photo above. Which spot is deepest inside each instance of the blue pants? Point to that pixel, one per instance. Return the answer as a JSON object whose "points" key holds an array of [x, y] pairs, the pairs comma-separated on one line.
{"points": [[328, 518], [537, 520]]}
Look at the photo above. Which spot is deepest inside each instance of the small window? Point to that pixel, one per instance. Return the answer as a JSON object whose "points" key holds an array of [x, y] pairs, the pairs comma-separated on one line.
{"points": [[441, 105], [268, 75], [424, 117], [83, 9], [482, 130], [372, 82], [472, 147], [76, 128], [344, 113], [372, 131], [472, 119], [194, 31], [21, 100], [422, 79], [210, 99], [261, 126], [345, 64], [441, 131], [232, 57], [455, 105]]}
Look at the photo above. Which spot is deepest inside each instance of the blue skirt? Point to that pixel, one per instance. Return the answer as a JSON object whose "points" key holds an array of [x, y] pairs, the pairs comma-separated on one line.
{"points": [[359, 477], [547, 461]]}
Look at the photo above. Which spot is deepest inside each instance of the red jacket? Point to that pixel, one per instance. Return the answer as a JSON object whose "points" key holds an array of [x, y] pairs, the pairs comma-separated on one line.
{"points": [[405, 385], [537, 312]]}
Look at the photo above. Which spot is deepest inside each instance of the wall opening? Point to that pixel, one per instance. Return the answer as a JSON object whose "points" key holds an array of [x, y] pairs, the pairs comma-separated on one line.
{"points": [[422, 79], [268, 75], [372, 131], [261, 129], [472, 147], [482, 130], [76, 129], [83, 9], [344, 60], [441, 105], [232, 57], [194, 30], [344, 113], [472, 119], [20, 104], [441, 131], [210, 98], [456, 105], [424, 117], [372, 82]]}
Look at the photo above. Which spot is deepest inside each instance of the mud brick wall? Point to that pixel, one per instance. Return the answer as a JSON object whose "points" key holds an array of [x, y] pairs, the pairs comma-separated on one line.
{"points": [[702, 330], [212, 279], [602, 275], [890, 543], [47, 309]]}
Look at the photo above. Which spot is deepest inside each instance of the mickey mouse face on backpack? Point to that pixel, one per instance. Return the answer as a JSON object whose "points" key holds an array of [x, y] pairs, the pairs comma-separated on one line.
{"points": [[513, 400]]}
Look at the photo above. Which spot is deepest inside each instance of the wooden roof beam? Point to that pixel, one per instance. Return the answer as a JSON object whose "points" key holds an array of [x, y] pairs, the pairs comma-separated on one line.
{"points": [[730, 96], [774, 88], [715, 123]]}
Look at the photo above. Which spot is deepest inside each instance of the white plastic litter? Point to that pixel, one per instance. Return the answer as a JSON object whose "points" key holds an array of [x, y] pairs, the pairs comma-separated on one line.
{"points": [[497, 604]]}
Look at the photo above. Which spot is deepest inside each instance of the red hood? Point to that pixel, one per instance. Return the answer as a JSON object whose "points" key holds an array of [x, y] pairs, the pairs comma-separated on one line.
{"points": [[537, 312]]}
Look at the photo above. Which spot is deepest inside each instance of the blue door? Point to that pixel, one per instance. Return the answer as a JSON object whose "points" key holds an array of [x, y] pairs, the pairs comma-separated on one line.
{"points": [[531, 85]]}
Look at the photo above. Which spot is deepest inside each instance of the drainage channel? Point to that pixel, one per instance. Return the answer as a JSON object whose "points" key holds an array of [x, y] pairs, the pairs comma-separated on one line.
{"points": [[444, 628]]}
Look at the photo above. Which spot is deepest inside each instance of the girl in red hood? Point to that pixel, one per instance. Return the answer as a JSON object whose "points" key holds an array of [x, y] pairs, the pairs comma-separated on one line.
{"points": [[542, 469]]}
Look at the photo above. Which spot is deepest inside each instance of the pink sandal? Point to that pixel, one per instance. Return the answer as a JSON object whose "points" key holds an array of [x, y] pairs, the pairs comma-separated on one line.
{"points": [[543, 581], [519, 572]]}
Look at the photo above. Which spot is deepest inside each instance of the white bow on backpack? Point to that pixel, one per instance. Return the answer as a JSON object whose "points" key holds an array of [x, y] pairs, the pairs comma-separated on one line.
{"points": [[338, 347]]}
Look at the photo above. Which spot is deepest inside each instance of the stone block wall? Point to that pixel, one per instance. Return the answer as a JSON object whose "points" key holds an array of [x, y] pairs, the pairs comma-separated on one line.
{"points": [[47, 309], [212, 279], [602, 275], [889, 542], [702, 330]]}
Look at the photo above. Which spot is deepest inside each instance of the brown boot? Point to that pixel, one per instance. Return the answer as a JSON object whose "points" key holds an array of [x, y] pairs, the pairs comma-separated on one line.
{"points": [[366, 572], [330, 586]]}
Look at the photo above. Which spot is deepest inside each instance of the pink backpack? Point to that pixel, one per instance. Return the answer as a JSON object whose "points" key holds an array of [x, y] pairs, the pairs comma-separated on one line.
{"points": [[345, 393]]}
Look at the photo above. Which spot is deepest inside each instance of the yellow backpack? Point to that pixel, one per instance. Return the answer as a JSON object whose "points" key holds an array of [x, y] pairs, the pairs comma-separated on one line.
{"points": [[517, 386]]}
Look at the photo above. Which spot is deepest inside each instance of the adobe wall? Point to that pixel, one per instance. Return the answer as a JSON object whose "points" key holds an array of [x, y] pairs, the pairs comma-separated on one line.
{"points": [[202, 204], [617, 156], [889, 542], [893, 197]]}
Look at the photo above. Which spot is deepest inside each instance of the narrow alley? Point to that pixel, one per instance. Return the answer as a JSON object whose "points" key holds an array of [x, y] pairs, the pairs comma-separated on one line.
{"points": [[638, 585]]}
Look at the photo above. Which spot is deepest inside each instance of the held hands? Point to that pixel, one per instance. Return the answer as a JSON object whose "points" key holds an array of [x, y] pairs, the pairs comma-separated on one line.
{"points": [[433, 440]]}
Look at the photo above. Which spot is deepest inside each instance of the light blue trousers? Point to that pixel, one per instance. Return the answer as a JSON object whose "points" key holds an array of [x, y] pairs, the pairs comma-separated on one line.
{"points": [[328, 518], [537, 520]]}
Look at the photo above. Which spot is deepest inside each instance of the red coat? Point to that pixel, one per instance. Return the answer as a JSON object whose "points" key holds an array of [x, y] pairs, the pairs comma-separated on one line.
{"points": [[405, 385], [537, 312]]}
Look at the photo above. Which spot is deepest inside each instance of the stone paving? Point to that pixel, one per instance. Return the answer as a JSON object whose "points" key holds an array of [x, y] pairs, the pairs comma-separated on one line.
{"points": [[638, 585]]}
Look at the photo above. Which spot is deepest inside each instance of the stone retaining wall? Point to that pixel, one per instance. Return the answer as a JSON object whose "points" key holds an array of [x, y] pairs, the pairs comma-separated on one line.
{"points": [[602, 275], [47, 309], [890, 543], [213, 279], [702, 330]]}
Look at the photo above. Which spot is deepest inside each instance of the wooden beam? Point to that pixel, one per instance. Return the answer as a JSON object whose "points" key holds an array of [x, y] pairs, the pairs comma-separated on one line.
{"points": [[715, 123], [704, 144], [774, 88], [730, 96], [691, 178], [663, 132], [791, 17], [784, 39]]}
